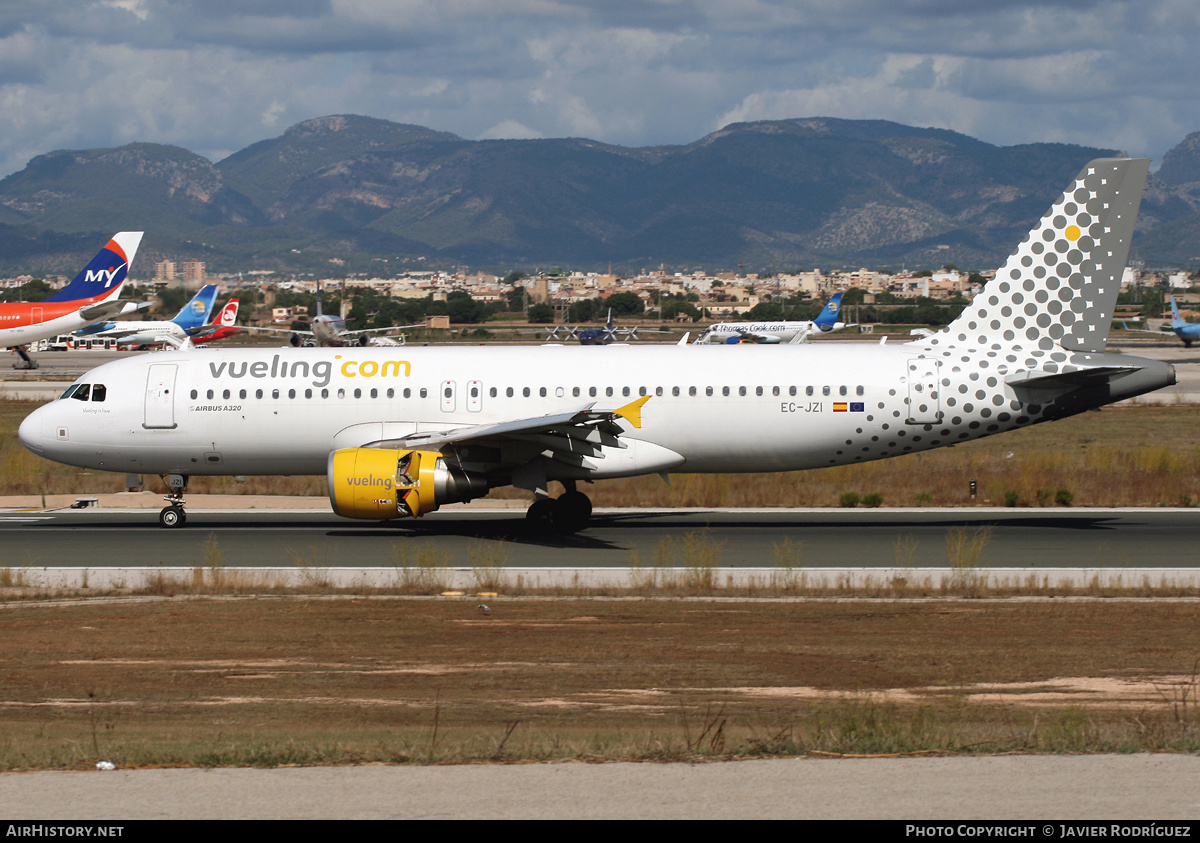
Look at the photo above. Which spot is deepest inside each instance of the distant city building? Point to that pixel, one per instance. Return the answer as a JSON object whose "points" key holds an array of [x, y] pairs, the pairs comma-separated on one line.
{"points": [[193, 274], [164, 272]]}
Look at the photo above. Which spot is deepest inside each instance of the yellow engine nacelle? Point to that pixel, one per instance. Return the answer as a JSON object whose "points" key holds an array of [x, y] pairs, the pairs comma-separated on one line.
{"points": [[376, 483]]}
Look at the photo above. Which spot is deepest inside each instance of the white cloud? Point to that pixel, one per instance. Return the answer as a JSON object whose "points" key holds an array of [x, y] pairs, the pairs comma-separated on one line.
{"points": [[220, 74]]}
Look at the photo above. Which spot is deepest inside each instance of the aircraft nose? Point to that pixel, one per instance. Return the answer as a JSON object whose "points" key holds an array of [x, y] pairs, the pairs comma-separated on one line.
{"points": [[32, 431]]}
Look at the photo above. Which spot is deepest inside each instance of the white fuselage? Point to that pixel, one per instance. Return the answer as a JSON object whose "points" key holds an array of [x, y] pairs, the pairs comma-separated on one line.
{"points": [[142, 333], [779, 332], [22, 323], [282, 411]]}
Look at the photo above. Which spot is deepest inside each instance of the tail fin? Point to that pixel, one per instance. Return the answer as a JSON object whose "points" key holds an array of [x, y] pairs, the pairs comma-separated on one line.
{"points": [[828, 317], [1059, 288], [1176, 319], [195, 313], [106, 272], [227, 318]]}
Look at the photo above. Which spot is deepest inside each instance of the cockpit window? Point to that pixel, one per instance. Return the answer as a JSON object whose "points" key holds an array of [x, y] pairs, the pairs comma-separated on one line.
{"points": [[99, 392], [70, 389], [83, 392]]}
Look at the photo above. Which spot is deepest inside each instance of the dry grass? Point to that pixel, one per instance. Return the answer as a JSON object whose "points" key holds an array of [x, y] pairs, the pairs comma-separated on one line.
{"points": [[309, 681]]}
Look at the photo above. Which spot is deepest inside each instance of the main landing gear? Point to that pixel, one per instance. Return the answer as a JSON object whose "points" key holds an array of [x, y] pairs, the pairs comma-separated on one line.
{"points": [[568, 513], [173, 515]]}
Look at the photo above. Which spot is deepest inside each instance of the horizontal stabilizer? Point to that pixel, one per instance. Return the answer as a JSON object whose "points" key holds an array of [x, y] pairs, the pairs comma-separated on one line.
{"points": [[1038, 379], [103, 310]]}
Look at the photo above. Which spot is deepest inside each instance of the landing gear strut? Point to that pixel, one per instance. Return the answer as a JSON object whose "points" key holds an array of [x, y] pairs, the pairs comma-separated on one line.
{"points": [[568, 513], [26, 362], [173, 515]]}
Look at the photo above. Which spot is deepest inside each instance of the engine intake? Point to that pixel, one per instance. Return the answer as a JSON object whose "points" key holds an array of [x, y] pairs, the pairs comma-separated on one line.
{"points": [[377, 483]]}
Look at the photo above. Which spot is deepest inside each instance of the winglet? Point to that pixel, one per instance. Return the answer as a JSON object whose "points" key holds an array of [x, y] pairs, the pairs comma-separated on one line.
{"points": [[633, 411]]}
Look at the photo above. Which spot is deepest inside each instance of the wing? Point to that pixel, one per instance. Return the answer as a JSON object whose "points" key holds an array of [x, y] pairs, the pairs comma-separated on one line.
{"points": [[382, 330], [274, 330], [103, 310], [1165, 328], [568, 438]]}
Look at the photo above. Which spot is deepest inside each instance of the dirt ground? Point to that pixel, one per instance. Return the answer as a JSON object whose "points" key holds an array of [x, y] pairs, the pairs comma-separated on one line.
{"points": [[336, 680]]}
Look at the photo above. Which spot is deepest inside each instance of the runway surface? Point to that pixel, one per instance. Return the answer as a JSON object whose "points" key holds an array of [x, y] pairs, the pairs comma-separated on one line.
{"points": [[1047, 538], [1036, 788]]}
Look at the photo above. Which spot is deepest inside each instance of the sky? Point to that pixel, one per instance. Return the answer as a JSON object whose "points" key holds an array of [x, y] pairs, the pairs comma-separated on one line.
{"points": [[214, 76]]}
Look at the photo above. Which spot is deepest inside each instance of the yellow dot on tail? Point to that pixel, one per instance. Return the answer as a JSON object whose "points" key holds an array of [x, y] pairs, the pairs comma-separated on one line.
{"points": [[1073, 232]]}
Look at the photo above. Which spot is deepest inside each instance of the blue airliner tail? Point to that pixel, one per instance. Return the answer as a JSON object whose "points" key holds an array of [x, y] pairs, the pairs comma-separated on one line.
{"points": [[196, 312], [106, 272], [1176, 319], [828, 317]]}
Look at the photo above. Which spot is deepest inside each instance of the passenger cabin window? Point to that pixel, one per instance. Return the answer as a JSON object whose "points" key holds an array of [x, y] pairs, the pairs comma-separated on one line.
{"points": [[195, 394]]}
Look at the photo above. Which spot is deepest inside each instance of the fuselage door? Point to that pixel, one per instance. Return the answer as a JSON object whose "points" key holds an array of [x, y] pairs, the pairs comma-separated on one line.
{"points": [[160, 396], [36, 316], [474, 396], [924, 401], [447, 394]]}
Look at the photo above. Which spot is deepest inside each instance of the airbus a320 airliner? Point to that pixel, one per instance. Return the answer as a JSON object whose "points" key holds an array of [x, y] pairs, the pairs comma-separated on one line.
{"points": [[399, 432]]}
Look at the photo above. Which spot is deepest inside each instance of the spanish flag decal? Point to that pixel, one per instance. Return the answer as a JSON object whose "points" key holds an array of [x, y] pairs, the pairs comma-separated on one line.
{"points": [[839, 406]]}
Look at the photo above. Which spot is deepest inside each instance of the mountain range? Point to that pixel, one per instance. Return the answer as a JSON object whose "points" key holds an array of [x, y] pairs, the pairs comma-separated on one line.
{"points": [[346, 193]]}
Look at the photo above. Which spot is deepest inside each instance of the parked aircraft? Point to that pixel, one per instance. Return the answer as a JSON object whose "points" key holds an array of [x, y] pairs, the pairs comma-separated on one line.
{"points": [[1188, 332], [773, 333], [399, 433], [603, 335], [220, 328], [90, 297], [190, 319], [223, 327], [329, 331]]}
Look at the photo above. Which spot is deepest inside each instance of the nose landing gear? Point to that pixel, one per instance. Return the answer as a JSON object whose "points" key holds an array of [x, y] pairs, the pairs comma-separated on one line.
{"points": [[173, 514]]}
